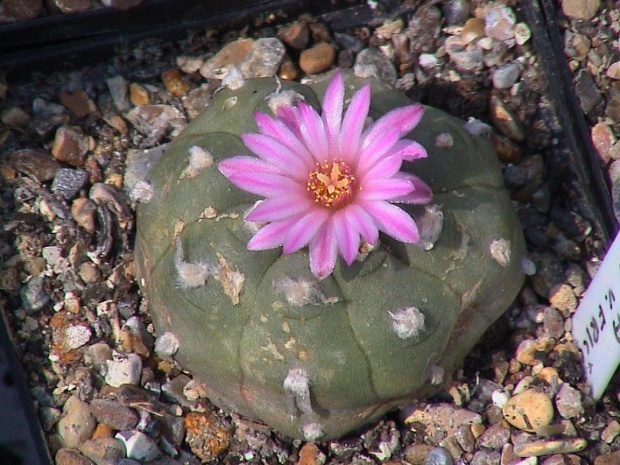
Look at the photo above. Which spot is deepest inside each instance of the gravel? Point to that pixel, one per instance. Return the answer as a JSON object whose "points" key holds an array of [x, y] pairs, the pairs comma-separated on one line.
{"points": [[74, 147]]}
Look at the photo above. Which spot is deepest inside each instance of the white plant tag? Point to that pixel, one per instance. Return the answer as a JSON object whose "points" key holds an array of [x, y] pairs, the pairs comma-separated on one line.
{"points": [[596, 323]]}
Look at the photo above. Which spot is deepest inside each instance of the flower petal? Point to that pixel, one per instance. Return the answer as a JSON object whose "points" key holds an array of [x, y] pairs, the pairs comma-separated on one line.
{"points": [[234, 165], [303, 230], [353, 123], [313, 132], [266, 184], [393, 221], [347, 237], [385, 189], [276, 153], [377, 148], [403, 119], [290, 117], [323, 252], [271, 235], [385, 168], [408, 150], [362, 222], [278, 130], [421, 193], [332, 112], [280, 208]]}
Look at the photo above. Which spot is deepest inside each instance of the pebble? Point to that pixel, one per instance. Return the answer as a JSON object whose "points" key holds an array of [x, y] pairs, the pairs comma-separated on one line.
{"points": [[136, 397], [505, 120], [613, 71], [68, 182], [587, 92], [486, 457], [529, 410], [438, 456], [507, 151], [456, 12], [78, 424], [288, 70], [138, 445], [562, 297], [472, 30], [35, 163], [79, 103], [310, 454], [499, 21], [603, 139], [175, 83], [139, 95], [553, 323], [33, 294], [190, 64], [117, 86], [166, 345], [523, 33], [15, 117], [580, 9], [348, 42], [83, 212], [464, 59], [230, 55], [71, 457], [123, 369], [608, 459], [440, 417], [73, 337], [12, 11], [495, 436], [295, 35], [156, 120], [103, 450], [135, 338], [113, 414], [317, 59], [71, 145], [121, 4], [197, 100], [563, 459], [614, 176], [505, 76], [611, 432], [372, 62], [540, 448], [263, 59], [207, 435], [568, 402]]}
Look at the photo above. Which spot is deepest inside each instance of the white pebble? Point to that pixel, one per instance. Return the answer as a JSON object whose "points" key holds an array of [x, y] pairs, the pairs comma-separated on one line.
{"points": [[123, 369], [76, 336], [166, 345], [505, 76], [139, 446]]}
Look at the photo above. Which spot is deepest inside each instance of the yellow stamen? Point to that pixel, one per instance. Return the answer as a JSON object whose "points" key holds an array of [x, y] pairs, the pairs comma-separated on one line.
{"points": [[332, 184]]}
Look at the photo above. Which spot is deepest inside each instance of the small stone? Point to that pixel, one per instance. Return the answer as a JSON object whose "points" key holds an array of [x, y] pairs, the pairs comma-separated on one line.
{"points": [[603, 139], [416, 453], [121, 4], [505, 76], [139, 95], [523, 33], [613, 71], [264, 58], [507, 151], [310, 454], [113, 414], [33, 294], [568, 402], [139, 398], [207, 435], [166, 345], [464, 58], [35, 163], [83, 212], [486, 457], [587, 92], [495, 436], [189, 64], [71, 457], [135, 338], [439, 456], [79, 103], [611, 432], [295, 35], [563, 459], [456, 12], [229, 56], [156, 121], [103, 450], [562, 297], [117, 122], [288, 70], [15, 117], [499, 21], [442, 417], [123, 369], [73, 337], [372, 62], [540, 448], [117, 86], [139, 446], [317, 59], [505, 120], [70, 145], [553, 323], [12, 11], [175, 84], [529, 410], [78, 424], [580, 9], [608, 459], [68, 182], [473, 29]]}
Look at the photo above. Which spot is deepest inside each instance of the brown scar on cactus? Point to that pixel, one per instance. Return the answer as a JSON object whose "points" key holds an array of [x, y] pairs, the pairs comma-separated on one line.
{"points": [[407, 322], [231, 280], [199, 159]]}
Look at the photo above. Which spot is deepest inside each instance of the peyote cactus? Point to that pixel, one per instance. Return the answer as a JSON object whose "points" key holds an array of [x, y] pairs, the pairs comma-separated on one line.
{"points": [[316, 352]]}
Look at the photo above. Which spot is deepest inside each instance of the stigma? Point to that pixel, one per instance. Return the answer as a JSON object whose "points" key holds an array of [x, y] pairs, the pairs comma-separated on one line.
{"points": [[332, 184]]}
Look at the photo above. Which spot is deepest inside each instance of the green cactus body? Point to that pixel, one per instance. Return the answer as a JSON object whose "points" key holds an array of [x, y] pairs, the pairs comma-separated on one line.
{"points": [[316, 359]]}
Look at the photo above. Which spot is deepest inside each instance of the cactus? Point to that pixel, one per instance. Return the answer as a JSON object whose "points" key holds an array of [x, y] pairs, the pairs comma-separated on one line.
{"points": [[316, 358]]}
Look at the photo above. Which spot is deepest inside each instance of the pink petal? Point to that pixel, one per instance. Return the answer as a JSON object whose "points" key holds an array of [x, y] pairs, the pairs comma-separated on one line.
{"points": [[302, 232], [276, 153], [385, 189], [280, 208], [393, 221], [376, 149], [421, 193], [313, 132], [385, 168], [347, 237], [290, 117], [234, 165], [270, 236], [362, 222], [323, 252], [402, 119], [266, 184], [408, 150], [278, 130], [353, 123], [332, 111]]}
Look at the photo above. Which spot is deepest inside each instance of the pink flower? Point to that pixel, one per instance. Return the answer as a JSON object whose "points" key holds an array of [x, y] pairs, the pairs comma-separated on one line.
{"points": [[328, 183]]}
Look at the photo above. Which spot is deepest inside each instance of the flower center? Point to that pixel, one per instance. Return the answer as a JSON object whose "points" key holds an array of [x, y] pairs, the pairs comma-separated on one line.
{"points": [[332, 184]]}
